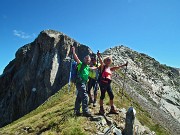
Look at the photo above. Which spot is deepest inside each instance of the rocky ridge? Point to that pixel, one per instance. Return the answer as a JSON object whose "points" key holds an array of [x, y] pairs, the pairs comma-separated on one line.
{"points": [[156, 87]]}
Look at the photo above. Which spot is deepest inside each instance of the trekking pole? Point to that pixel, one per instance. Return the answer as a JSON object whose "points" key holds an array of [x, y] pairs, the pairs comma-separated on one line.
{"points": [[69, 83], [97, 58], [97, 67], [124, 79], [100, 54], [109, 130], [97, 73]]}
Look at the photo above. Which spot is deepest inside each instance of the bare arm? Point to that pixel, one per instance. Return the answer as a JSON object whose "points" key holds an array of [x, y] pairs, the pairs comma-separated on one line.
{"points": [[100, 59], [75, 55], [93, 68], [118, 67]]}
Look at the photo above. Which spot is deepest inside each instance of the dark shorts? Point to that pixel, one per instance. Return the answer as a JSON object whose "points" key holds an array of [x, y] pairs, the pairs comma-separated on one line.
{"points": [[106, 87]]}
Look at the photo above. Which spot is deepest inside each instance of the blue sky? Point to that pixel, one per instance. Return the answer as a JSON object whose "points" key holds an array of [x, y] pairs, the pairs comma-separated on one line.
{"points": [[147, 26]]}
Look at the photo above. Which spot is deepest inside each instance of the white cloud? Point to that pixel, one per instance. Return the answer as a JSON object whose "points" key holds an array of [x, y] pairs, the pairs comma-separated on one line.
{"points": [[23, 35]]}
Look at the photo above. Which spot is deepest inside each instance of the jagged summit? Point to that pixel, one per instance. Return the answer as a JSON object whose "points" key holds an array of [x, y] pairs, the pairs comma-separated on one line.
{"points": [[57, 34], [122, 50], [50, 31]]}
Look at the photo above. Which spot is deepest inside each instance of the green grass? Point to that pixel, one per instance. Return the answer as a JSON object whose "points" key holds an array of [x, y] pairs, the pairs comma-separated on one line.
{"points": [[56, 116]]}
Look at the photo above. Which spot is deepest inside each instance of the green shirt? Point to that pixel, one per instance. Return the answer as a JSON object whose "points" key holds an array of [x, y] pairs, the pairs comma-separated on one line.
{"points": [[84, 72]]}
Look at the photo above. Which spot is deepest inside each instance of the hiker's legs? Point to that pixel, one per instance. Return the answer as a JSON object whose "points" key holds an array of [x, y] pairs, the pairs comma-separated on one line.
{"points": [[95, 99], [111, 95], [95, 93], [101, 102], [103, 91], [77, 105], [84, 98], [101, 111], [111, 103], [89, 89], [95, 86], [77, 102]]}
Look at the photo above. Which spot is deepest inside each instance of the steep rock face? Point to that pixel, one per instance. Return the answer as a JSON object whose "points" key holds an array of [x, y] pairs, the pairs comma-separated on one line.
{"points": [[156, 87], [39, 70]]}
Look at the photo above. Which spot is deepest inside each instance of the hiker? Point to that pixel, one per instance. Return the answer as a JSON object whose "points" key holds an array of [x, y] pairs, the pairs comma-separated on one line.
{"points": [[81, 82], [105, 82], [93, 81]]}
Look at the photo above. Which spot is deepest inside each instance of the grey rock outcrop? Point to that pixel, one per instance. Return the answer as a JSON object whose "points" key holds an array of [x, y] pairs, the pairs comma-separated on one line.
{"points": [[39, 70]]}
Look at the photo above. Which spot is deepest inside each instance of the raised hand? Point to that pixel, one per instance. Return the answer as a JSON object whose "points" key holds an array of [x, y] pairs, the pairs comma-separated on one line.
{"points": [[126, 63], [73, 49], [98, 53]]}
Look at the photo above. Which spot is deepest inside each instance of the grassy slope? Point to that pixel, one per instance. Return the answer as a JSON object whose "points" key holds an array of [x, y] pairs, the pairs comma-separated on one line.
{"points": [[55, 116]]}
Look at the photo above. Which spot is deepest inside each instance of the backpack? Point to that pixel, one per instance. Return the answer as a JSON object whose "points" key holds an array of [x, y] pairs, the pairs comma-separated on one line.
{"points": [[75, 74], [100, 74], [73, 71]]}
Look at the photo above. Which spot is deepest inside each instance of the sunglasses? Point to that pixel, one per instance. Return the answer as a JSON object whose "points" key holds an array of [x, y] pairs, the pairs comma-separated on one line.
{"points": [[108, 60]]}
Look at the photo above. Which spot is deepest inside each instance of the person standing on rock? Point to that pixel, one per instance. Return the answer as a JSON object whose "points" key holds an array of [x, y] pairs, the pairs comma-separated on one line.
{"points": [[105, 82], [93, 81], [81, 82]]}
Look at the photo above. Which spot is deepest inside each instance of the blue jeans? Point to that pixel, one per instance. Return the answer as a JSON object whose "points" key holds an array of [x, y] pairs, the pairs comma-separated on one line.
{"points": [[81, 97]]}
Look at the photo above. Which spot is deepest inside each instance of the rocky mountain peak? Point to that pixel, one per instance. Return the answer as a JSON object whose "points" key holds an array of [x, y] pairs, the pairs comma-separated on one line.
{"points": [[151, 83], [37, 72]]}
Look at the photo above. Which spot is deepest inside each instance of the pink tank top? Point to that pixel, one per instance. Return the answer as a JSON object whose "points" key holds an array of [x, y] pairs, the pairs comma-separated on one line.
{"points": [[107, 73]]}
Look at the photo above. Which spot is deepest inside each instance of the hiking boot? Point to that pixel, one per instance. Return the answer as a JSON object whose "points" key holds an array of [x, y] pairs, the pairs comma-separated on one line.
{"points": [[101, 111], [87, 114], [113, 110], [77, 113]]}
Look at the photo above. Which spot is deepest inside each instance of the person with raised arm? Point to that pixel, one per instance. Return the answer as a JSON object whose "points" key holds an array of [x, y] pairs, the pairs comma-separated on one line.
{"points": [[105, 79], [81, 83]]}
